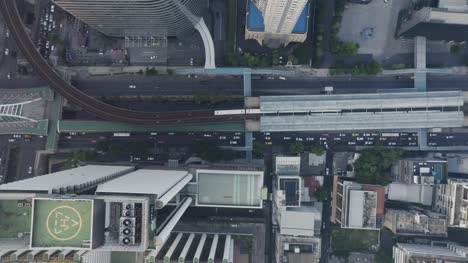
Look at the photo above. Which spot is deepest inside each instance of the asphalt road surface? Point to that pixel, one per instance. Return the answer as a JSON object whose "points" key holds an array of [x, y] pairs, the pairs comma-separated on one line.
{"points": [[231, 85], [26, 148]]}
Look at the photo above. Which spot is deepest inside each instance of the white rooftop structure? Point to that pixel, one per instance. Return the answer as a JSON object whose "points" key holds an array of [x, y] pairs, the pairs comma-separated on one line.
{"points": [[300, 222], [325, 103], [411, 193], [287, 165], [68, 181], [362, 111], [144, 181], [362, 209], [162, 184], [229, 188], [361, 121]]}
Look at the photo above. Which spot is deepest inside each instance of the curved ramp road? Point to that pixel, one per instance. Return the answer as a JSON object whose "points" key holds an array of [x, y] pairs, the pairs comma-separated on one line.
{"points": [[108, 112]]}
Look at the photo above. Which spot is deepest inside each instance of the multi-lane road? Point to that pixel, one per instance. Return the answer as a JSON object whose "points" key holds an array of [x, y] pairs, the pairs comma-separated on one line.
{"points": [[165, 85], [236, 139], [18, 154], [13, 20]]}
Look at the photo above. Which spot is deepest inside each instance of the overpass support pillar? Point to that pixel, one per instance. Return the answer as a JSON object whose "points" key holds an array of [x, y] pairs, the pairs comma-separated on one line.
{"points": [[247, 76]]}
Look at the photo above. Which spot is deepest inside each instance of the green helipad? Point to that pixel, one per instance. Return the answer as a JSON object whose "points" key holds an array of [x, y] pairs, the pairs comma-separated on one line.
{"points": [[62, 223]]}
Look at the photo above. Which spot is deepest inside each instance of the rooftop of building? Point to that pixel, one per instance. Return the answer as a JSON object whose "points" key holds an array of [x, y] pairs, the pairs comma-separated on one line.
{"points": [[413, 193], [362, 209], [15, 222], [77, 177], [291, 188], [380, 192], [301, 221], [255, 21], [229, 188], [62, 223], [427, 252], [416, 222], [287, 165], [422, 171], [144, 181]]}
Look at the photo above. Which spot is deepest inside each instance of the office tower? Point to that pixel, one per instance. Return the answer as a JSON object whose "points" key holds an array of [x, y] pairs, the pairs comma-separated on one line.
{"points": [[276, 22], [119, 18]]}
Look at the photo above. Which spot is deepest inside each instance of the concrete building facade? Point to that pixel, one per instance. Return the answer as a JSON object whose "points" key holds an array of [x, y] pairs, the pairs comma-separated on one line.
{"points": [[451, 199], [23, 110], [280, 19], [415, 222], [120, 18], [71, 214], [357, 206], [440, 252]]}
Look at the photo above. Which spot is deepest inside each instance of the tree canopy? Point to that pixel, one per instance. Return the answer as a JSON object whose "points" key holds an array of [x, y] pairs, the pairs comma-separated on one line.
{"points": [[373, 166]]}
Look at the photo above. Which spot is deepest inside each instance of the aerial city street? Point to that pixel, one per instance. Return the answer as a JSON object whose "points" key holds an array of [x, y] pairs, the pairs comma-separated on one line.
{"points": [[233, 131]]}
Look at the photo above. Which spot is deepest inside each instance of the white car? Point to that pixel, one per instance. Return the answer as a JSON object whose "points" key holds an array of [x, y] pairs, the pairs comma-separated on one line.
{"points": [[132, 86], [7, 51]]}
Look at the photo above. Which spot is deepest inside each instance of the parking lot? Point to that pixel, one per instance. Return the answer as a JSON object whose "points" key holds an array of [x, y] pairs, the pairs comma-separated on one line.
{"points": [[361, 19]]}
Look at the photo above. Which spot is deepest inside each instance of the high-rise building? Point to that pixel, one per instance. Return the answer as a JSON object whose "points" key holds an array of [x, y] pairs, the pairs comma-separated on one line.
{"points": [[84, 213], [280, 16], [435, 252], [451, 199], [121, 18], [276, 22], [448, 22]]}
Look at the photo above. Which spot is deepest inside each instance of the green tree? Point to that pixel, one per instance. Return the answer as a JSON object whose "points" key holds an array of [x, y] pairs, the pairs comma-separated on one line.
{"points": [[455, 48], [317, 149], [102, 146], [208, 151], [322, 194], [258, 149], [373, 165], [296, 147], [82, 156]]}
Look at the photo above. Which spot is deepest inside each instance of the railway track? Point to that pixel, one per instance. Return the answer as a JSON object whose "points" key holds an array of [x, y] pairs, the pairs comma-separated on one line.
{"points": [[105, 111]]}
